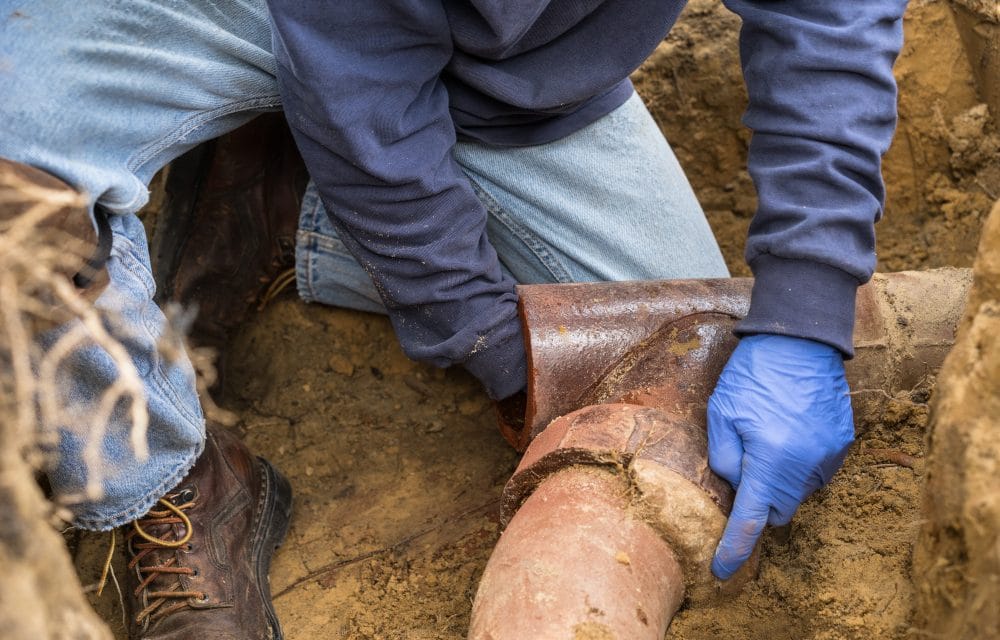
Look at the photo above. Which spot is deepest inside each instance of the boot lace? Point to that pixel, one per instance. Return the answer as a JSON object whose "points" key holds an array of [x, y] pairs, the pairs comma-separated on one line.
{"points": [[156, 601]]}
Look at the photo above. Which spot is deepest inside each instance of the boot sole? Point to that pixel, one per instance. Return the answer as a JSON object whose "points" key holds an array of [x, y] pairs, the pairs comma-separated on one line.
{"points": [[274, 515]]}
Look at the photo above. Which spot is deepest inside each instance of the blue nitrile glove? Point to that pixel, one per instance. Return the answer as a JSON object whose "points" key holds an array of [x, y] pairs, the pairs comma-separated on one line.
{"points": [[779, 426]]}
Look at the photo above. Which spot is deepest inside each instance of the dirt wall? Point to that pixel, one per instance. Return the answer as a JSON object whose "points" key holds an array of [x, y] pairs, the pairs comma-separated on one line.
{"points": [[978, 23], [957, 560], [942, 172]]}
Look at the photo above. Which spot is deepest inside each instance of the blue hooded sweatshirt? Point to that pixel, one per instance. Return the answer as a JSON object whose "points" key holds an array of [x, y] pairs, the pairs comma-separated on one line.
{"points": [[378, 91]]}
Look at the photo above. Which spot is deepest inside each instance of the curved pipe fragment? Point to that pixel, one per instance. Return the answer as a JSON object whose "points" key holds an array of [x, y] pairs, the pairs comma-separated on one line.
{"points": [[607, 484], [584, 340], [613, 509], [578, 563]]}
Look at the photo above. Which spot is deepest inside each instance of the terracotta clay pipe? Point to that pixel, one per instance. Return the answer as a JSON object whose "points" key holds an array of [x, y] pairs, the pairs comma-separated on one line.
{"points": [[613, 513]]}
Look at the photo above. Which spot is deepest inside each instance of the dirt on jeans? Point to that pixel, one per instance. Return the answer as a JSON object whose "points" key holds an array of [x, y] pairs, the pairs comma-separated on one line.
{"points": [[398, 467]]}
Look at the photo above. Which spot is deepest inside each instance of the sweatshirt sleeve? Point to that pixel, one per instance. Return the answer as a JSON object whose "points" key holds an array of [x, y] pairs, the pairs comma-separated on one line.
{"points": [[822, 110], [360, 83]]}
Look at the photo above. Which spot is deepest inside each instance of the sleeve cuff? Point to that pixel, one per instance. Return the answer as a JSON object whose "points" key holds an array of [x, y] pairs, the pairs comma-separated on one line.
{"points": [[502, 367], [802, 299]]}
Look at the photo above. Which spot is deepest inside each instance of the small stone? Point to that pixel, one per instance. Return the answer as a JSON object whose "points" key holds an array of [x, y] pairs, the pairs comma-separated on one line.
{"points": [[469, 407], [341, 365], [309, 471], [416, 383], [622, 558], [435, 427]]}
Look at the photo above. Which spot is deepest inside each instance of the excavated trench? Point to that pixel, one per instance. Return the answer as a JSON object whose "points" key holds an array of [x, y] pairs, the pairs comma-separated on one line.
{"points": [[399, 469]]}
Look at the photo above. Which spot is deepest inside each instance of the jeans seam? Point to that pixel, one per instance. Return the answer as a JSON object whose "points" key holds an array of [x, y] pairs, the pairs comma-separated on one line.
{"points": [[311, 270], [161, 379], [302, 272], [124, 250], [312, 215], [192, 123], [556, 269], [314, 208], [319, 241]]}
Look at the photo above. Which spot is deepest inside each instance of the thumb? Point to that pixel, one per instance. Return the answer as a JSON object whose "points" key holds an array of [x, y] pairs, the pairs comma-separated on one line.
{"points": [[746, 522]]}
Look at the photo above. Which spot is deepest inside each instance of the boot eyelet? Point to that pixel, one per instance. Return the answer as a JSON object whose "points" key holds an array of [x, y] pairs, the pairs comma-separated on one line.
{"points": [[194, 573], [189, 547]]}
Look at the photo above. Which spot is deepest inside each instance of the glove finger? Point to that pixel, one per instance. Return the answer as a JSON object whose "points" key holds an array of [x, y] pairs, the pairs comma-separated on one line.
{"points": [[829, 467], [746, 522], [725, 448]]}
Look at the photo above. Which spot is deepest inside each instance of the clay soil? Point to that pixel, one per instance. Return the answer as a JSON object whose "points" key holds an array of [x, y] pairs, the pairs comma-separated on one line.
{"points": [[398, 467]]}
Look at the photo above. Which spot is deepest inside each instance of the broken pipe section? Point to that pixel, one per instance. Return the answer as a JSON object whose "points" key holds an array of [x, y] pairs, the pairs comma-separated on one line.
{"points": [[613, 513]]}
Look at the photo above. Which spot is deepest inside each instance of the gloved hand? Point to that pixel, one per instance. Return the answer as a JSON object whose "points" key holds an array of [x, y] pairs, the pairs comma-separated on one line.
{"points": [[779, 426]]}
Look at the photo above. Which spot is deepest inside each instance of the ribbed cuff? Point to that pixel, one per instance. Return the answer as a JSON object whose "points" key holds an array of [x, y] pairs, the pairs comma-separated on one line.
{"points": [[803, 299], [502, 368]]}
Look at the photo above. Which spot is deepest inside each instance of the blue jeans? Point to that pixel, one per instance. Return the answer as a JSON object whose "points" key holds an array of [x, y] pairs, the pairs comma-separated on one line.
{"points": [[104, 94]]}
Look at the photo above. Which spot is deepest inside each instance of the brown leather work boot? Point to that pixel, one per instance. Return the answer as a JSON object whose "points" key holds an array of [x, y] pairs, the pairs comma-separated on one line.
{"points": [[227, 226], [199, 561]]}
